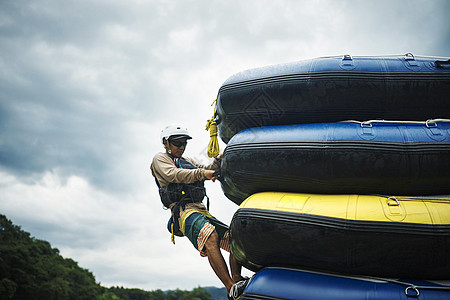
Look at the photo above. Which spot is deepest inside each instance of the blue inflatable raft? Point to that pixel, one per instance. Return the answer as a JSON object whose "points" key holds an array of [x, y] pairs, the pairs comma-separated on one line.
{"points": [[333, 89], [280, 283], [376, 157]]}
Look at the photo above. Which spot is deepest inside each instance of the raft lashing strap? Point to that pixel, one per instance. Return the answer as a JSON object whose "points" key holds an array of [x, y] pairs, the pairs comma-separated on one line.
{"points": [[415, 289], [412, 290], [211, 125], [395, 201], [431, 123]]}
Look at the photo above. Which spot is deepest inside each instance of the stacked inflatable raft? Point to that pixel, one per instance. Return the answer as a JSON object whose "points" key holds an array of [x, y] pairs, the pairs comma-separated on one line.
{"points": [[334, 89], [282, 283], [401, 237], [324, 183], [375, 157]]}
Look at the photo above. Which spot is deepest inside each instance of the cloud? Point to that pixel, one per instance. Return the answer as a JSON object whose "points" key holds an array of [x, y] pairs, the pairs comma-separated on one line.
{"points": [[85, 88], [123, 240]]}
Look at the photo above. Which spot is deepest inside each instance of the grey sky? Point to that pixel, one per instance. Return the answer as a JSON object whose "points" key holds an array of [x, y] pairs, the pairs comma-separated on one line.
{"points": [[86, 86]]}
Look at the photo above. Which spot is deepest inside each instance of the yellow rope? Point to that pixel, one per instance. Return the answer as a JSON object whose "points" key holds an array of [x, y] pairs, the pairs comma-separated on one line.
{"points": [[172, 238], [213, 147]]}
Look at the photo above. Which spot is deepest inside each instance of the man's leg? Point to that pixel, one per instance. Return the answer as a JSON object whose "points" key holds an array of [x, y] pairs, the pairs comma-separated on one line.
{"points": [[217, 261], [236, 269]]}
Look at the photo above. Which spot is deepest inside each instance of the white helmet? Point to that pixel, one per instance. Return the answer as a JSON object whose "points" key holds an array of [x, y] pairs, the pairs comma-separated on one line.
{"points": [[174, 130]]}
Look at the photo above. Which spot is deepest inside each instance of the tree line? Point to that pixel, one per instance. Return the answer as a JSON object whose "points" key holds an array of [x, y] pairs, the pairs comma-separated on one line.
{"points": [[30, 269]]}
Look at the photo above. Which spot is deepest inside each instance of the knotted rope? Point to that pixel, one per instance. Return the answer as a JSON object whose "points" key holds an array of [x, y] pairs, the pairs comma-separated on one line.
{"points": [[213, 147]]}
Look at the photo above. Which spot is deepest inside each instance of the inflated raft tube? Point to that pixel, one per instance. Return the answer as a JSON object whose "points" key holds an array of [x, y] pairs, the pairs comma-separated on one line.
{"points": [[376, 157], [333, 89], [393, 237], [282, 283]]}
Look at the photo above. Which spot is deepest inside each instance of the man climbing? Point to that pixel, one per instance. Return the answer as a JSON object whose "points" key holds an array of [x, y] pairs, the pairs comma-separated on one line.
{"points": [[181, 188]]}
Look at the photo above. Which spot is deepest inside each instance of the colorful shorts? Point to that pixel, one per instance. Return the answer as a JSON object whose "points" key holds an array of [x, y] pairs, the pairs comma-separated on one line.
{"points": [[198, 226]]}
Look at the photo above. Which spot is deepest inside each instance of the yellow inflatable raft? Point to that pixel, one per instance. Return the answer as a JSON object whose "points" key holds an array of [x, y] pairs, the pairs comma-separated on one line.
{"points": [[407, 237]]}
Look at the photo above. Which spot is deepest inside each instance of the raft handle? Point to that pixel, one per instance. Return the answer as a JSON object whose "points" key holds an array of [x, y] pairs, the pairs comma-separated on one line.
{"points": [[366, 124], [392, 204], [433, 127], [440, 63], [409, 56], [410, 59], [414, 289], [429, 122], [347, 57], [347, 62]]}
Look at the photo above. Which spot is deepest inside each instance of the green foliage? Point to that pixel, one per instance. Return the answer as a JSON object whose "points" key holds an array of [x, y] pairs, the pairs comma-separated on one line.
{"points": [[30, 269], [7, 288], [137, 294], [108, 296]]}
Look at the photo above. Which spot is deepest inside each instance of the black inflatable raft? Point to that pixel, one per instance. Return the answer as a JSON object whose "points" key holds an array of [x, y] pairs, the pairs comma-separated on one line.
{"points": [[334, 89], [378, 157], [392, 237]]}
